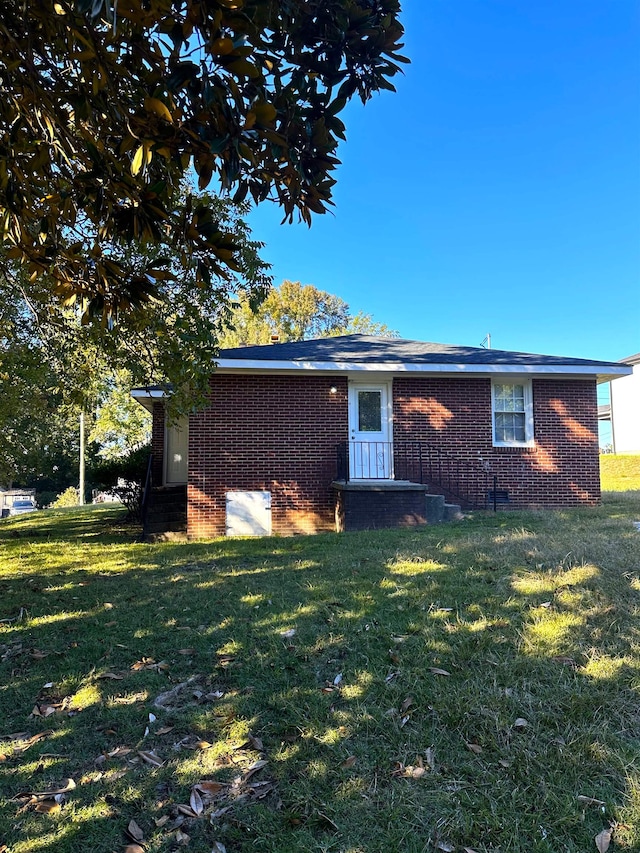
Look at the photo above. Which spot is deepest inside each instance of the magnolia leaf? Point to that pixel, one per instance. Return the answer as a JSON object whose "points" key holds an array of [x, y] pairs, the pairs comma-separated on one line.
{"points": [[218, 847], [68, 785], [187, 652], [134, 848], [150, 758], [255, 742], [469, 850], [445, 847], [187, 811], [210, 789], [337, 681], [520, 723], [111, 675], [138, 160], [134, 831], [182, 837], [474, 747], [603, 840], [434, 670], [349, 762], [154, 105], [430, 757], [288, 634], [408, 702], [195, 801], [164, 730]]}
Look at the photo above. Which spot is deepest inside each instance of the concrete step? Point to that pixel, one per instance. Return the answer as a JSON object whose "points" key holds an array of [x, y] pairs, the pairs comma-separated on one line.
{"points": [[452, 512], [434, 509]]}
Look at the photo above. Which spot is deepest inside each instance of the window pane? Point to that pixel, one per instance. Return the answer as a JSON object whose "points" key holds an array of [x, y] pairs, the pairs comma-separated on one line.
{"points": [[510, 426], [369, 411], [509, 398]]}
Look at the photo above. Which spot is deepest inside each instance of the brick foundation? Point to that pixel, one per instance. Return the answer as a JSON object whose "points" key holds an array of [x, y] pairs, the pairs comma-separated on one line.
{"points": [[366, 507]]}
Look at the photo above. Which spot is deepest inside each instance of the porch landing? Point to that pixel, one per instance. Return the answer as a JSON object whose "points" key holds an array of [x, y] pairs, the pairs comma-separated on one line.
{"points": [[375, 504]]}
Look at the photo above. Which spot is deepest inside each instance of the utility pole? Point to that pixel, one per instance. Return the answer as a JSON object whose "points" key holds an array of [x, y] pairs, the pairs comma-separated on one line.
{"points": [[81, 489]]}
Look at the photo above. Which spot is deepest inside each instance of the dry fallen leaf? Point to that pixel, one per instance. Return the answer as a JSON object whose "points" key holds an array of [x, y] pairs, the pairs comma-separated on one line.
{"points": [[430, 757], [48, 807], [150, 758], [469, 850], [255, 742], [474, 747], [134, 831], [521, 723], [434, 670], [337, 681], [349, 762], [209, 788], [603, 840], [445, 847], [408, 702], [589, 801], [187, 652], [161, 820], [112, 675], [134, 848], [195, 801], [68, 785], [164, 730], [218, 847], [182, 837]]}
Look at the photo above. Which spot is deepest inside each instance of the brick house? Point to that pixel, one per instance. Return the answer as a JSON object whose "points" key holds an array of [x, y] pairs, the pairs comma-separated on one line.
{"points": [[353, 431]]}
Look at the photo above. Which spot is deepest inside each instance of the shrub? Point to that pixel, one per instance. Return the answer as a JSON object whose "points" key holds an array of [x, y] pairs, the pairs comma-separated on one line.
{"points": [[124, 477], [67, 498]]}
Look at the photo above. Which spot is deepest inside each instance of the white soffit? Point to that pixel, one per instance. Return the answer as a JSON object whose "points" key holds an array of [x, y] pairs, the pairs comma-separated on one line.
{"points": [[603, 372]]}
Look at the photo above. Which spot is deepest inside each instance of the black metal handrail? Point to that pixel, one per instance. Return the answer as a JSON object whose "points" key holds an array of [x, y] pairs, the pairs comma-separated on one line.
{"points": [[146, 492], [466, 480]]}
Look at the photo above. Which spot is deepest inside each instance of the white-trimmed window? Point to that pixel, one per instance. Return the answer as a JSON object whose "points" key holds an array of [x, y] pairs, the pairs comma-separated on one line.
{"points": [[512, 413]]}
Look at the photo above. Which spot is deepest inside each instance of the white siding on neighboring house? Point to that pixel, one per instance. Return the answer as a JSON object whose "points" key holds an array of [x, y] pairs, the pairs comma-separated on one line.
{"points": [[625, 410]]}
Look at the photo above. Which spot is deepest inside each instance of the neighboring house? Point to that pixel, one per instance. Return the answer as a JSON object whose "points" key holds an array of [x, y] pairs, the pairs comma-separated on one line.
{"points": [[350, 432], [9, 496], [625, 409]]}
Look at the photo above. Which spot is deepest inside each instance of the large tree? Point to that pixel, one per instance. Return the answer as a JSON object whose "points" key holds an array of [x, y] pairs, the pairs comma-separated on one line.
{"points": [[294, 312], [107, 105]]}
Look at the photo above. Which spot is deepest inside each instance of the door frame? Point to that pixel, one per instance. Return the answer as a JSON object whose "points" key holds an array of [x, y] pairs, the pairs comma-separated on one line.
{"points": [[386, 411]]}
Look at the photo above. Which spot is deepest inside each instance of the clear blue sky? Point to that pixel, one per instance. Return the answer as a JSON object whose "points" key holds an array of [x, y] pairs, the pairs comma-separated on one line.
{"points": [[499, 189]]}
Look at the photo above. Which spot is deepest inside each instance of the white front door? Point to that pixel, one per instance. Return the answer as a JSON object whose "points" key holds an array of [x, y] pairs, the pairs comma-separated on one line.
{"points": [[370, 452], [177, 453]]}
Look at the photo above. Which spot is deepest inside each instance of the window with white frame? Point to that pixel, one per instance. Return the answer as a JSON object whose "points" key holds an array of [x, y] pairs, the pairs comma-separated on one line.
{"points": [[512, 414]]}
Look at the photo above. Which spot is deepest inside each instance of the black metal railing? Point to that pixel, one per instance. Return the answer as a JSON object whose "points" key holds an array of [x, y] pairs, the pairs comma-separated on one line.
{"points": [[466, 480], [145, 502]]}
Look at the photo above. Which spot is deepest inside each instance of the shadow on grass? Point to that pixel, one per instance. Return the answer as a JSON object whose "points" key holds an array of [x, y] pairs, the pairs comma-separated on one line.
{"points": [[332, 650]]}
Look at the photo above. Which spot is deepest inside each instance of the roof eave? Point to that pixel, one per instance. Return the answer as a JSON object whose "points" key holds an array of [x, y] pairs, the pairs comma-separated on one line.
{"points": [[603, 372]]}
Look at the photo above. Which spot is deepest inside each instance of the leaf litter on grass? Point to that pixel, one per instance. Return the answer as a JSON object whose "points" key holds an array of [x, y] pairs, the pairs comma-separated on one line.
{"points": [[252, 691]]}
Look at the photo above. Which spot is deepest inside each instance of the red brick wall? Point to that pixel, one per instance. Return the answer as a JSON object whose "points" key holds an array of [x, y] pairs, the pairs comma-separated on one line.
{"points": [[157, 443], [455, 416], [271, 433]]}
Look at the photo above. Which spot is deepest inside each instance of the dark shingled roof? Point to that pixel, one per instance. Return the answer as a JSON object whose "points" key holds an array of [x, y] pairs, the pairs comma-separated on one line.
{"points": [[367, 349]]}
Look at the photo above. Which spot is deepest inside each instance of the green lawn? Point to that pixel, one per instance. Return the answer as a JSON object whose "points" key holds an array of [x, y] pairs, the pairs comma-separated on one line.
{"points": [[473, 686], [619, 473]]}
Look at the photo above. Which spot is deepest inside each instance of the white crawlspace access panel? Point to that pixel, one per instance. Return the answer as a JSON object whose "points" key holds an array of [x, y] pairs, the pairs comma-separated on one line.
{"points": [[248, 513]]}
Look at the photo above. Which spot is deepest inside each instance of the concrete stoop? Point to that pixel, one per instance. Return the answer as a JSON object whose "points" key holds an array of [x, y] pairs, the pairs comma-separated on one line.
{"points": [[439, 512]]}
